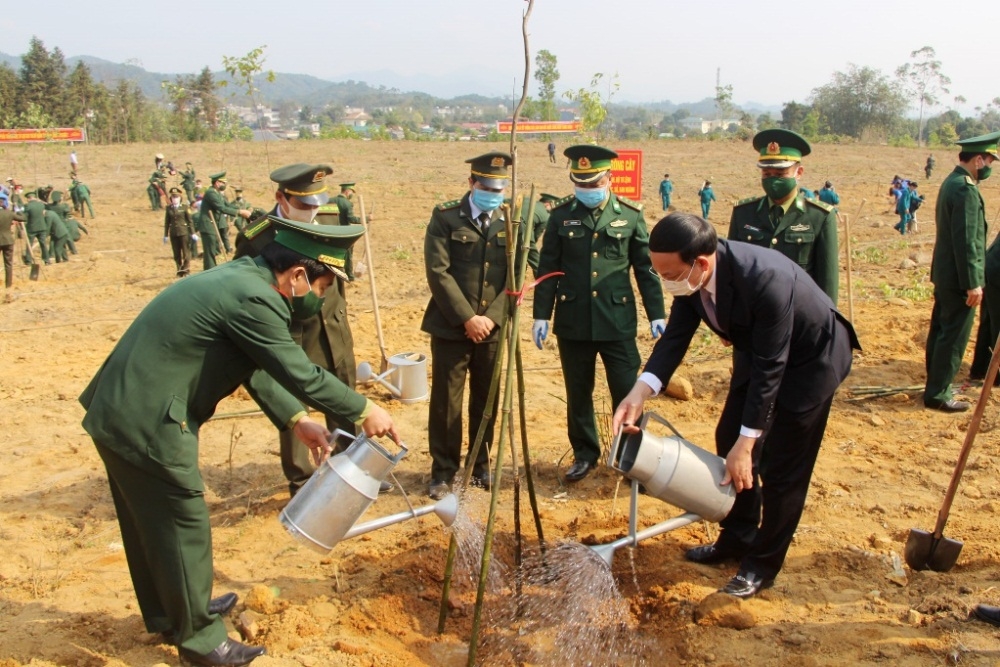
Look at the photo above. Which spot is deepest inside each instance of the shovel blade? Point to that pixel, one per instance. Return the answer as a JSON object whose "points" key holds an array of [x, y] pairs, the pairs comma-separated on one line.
{"points": [[925, 552], [33, 274]]}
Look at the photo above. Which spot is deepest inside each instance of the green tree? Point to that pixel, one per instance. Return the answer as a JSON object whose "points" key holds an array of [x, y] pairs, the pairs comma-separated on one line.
{"points": [[244, 70], [203, 89], [793, 115], [9, 85], [924, 81], [41, 79], [547, 75], [861, 103], [723, 101], [593, 107]]}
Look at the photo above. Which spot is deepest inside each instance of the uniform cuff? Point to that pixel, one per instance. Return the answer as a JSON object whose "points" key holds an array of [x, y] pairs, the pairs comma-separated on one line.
{"points": [[652, 381], [290, 424], [364, 413], [751, 432]]}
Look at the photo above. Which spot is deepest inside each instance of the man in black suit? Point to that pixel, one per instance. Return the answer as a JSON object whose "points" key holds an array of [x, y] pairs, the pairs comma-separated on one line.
{"points": [[792, 349]]}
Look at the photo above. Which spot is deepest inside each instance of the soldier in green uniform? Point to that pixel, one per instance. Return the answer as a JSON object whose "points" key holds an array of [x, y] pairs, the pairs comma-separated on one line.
{"points": [[188, 182], [240, 202], [36, 227], [666, 189], [957, 268], [213, 207], [540, 218], [156, 188], [326, 337], [8, 231], [706, 196], [58, 235], [595, 237], [58, 205], [193, 345], [804, 230], [346, 206], [83, 196], [465, 259], [75, 227], [178, 227]]}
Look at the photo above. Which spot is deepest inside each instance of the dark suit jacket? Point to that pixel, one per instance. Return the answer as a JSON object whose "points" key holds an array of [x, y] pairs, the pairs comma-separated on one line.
{"points": [[791, 346]]}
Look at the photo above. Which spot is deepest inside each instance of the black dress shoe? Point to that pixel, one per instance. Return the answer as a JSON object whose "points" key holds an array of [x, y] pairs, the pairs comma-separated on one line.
{"points": [[951, 405], [438, 489], [223, 604], [985, 612], [746, 585], [229, 653], [483, 480], [710, 554], [385, 486], [578, 470]]}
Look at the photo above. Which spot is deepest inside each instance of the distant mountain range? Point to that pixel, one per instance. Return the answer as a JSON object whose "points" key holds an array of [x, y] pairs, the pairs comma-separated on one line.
{"points": [[309, 90]]}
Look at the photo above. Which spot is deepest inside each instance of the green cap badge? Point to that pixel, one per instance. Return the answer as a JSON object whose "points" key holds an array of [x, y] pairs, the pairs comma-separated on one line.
{"points": [[490, 169], [588, 163], [780, 148]]}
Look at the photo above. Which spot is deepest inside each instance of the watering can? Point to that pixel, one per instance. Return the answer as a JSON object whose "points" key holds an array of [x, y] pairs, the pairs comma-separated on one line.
{"points": [[673, 470], [410, 371], [326, 508]]}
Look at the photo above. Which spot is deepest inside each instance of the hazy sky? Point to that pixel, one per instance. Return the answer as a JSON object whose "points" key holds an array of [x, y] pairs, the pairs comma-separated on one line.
{"points": [[661, 49]]}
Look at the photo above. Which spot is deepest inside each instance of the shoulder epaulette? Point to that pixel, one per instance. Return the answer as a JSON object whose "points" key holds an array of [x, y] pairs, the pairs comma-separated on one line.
{"points": [[969, 180], [819, 204], [562, 202], [454, 203], [749, 200], [253, 229], [628, 202]]}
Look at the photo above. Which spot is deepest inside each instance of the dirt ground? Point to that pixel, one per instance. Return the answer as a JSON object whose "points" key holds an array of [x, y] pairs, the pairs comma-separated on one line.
{"points": [[66, 597]]}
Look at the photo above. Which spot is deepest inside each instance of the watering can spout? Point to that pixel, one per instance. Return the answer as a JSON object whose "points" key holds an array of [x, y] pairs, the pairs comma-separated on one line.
{"points": [[446, 509], [606, 552]]}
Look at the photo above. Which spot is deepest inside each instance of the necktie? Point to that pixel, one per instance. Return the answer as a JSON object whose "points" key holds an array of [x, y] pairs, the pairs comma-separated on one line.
{"points": [[709, 303], [776, 213], [484, 221]]}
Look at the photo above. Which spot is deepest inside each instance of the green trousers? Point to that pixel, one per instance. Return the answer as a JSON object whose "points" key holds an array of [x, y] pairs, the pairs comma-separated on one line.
{"points": [[209, 248], [951, 325], [579, 364], [168, 546], [57, 250]]}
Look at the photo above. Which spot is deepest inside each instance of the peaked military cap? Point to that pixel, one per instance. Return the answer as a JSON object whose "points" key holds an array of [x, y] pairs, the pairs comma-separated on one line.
{"points": [[304, 181], [56, 197], [175, 191], [780, 148], [327, 244], [31, 193], [347, 186], [588, 162], [490, 169], [221, 176], [985, 143]]}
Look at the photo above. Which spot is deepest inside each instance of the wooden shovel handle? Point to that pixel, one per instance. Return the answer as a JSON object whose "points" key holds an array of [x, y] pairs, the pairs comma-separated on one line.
{"points": [[970, 436]]}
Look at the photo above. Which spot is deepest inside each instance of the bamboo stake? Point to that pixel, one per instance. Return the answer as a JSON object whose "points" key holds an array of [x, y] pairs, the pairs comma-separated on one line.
{"points": [[384, 364]]}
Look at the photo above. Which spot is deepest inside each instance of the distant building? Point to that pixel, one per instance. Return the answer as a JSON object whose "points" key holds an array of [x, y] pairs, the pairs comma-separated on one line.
{"points": [[356, 118], [705, 126]]}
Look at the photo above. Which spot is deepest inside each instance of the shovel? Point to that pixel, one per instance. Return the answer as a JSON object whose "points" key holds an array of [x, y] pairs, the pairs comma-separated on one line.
{"points": [[934, 551]]}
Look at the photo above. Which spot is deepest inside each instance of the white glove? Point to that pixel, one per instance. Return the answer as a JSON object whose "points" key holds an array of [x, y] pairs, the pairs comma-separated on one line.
{"points": [[164, 240], [656, 327], [195, 238], [539, 332]]}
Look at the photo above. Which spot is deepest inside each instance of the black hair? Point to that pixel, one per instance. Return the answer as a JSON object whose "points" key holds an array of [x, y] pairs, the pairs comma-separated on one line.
{"points": [[280, 259], [684, 233], [968, 156]]}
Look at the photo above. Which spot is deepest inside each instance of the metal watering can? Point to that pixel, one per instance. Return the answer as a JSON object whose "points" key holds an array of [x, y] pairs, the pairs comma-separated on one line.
{"points": [[325, 509], [410, 369], [673, 470]]}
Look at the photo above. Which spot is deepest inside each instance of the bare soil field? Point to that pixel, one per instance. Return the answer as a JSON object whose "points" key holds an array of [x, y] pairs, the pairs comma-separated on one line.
{"points": [[65, 594]]}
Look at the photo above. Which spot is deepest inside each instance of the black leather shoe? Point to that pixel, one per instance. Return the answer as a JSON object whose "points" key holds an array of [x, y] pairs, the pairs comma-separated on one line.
{"points": [[385, 486], [578, 470], [746, 585], [483, 480], [985, 612], [229, 653], [950, 405], [223, 604], [710, 554], [438, 489]]}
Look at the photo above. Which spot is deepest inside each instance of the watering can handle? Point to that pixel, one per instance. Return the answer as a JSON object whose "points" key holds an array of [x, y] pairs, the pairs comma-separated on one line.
{"points": [[403, 449], [652, 415]]}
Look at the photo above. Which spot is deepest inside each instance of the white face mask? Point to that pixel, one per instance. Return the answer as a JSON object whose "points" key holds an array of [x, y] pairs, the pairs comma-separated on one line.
{"points": [[682, 287], [305, 216], [175, 201]]}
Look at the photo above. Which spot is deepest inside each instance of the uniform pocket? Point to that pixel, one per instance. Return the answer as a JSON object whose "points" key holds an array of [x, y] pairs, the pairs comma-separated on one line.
{"points": [[463, 244], [617, 241], [174, 444], [800, 245]]}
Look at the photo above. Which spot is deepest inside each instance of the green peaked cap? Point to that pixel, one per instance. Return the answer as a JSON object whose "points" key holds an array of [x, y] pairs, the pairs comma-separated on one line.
{"points": [[985, 143], [780, 148]]}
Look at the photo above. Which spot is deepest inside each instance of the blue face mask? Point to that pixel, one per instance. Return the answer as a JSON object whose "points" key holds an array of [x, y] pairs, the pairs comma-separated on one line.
{"points": [[486, 200], [590, 197]]}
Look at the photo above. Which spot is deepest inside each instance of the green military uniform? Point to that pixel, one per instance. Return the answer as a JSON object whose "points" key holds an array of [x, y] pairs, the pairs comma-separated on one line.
{"points": [[75, 227], [956, 267], [540, 218], [178, 227], [36, 227], [595, 309], [58, 205], [240, 202], [82, 193], [195, 343], [8, 217], [213, 207], [187, 182], [804, 230], [16, 201], [345, 209], [465, 260], [58, 233], [157, 186]]}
